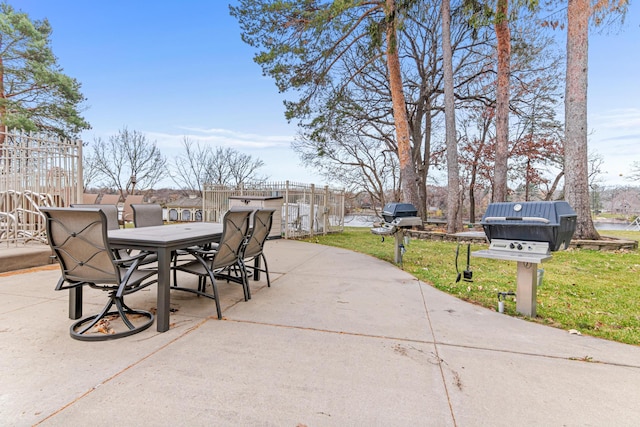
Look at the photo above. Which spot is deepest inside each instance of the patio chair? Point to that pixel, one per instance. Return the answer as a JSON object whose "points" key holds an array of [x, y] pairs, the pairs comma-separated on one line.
{"points": [[78, 238], [127, 210], [254, 247], [147, 215], [253, 250], [89, 198], [110, 199], [228, 252], [111, 213]]}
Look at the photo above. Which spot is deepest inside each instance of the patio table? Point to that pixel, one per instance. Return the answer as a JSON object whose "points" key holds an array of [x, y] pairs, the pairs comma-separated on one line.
{"points": [[163, 240]]}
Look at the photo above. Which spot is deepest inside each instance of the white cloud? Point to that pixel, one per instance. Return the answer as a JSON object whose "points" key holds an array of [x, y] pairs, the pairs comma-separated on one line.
{"points": [[281, 163], [616, 137], [624, 118], [222, 138]]}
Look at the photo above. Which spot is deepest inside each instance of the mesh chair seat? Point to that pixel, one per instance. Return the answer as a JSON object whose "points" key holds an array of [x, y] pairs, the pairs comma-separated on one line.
{"points": [[78, 238], [206, 263]]}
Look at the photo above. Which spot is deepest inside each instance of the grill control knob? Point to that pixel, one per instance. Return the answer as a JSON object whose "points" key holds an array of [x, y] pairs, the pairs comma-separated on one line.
{"points": [[519, 247], [511, 245]]}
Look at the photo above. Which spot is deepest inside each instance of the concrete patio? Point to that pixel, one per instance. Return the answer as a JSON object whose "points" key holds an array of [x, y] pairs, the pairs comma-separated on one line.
{"points": [[340, 339]]}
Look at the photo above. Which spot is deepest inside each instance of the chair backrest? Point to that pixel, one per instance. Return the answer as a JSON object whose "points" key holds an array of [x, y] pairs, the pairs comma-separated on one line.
{"points": [[110, 199], [89, 198], [147, 215], [78, 237], [127, 210], [110, 211], [262, 221], [234, 232]]}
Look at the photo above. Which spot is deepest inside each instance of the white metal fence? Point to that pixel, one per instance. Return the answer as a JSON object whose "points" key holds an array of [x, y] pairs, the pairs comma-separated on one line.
{"points": [[306, 209], [35, 170]]}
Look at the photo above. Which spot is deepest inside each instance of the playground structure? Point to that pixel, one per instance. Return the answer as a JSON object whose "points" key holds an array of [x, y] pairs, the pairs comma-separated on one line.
{"points": [[36, 170]]}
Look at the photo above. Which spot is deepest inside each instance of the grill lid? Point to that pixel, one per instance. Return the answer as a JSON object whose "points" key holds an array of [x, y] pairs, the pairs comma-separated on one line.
{"points": [[392, 211], [551, 222]]}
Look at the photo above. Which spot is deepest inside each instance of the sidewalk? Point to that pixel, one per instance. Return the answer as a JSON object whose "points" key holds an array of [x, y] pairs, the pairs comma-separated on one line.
{"points": [[340, 339]]}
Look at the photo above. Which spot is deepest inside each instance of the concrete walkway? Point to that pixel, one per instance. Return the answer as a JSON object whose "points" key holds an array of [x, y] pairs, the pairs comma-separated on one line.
{"points": [[340, 339]]}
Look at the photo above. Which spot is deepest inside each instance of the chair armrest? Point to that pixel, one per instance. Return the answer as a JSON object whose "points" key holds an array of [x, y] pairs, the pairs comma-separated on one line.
{"points": [[131, 258], [201, 252]]}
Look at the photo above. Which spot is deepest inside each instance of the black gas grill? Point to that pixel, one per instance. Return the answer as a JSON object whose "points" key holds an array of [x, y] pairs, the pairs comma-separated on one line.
{"points": [[397, 217], [527, 226], [392, 211]]}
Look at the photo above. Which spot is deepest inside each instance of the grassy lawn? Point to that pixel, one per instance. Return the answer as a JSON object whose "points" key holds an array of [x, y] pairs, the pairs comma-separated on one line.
{"points": [[596, 293]]}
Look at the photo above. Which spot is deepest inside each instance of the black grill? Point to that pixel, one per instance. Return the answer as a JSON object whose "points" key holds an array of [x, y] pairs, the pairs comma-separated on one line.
{"points": [[392, 211], [550, 222], [397, 217]]}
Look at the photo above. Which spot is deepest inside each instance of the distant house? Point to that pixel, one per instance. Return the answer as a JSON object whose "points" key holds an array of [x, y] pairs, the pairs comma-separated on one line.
{"points": [[184, 209]]}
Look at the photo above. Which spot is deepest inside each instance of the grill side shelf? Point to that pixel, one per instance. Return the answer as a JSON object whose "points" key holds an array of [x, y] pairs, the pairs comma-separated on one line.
{"points": [[383, 231]]}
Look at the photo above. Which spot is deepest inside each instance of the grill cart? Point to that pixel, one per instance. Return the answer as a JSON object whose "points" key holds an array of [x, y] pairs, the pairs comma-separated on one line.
{"points": [[397, 218], [527, 232]]}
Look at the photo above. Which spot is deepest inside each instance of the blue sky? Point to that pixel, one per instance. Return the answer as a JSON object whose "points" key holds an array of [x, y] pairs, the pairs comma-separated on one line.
{"points": [[173, 69]]}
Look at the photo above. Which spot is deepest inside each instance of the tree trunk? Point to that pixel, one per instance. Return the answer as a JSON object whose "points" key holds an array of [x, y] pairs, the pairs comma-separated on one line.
{"points": [[575, 156], [407, 168], [415, 128], [554, 186], [426, 157], [454, 220], [472, 195], [503, 36]]}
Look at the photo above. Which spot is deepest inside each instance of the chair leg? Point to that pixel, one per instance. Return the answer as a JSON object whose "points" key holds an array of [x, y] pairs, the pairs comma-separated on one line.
{"points": [[245, 280], [202, 285], [82, 329], [214, 285], [237, 274], [266, 270], [174, 255]]}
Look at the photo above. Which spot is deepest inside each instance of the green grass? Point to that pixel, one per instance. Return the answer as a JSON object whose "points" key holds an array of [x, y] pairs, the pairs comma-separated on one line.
{"points": [[594, 292], [622, 234]]}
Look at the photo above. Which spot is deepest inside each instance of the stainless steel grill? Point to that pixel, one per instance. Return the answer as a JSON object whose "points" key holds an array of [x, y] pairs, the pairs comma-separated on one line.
{"points": [[528, 226], [527, 233]]}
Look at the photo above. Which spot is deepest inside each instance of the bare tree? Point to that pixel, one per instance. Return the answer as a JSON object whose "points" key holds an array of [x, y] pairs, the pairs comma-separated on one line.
{"points": [[199, 165], [635, 172], [242, 167], [90, 171], [190, 167], [348, 154], [128, 161]]}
